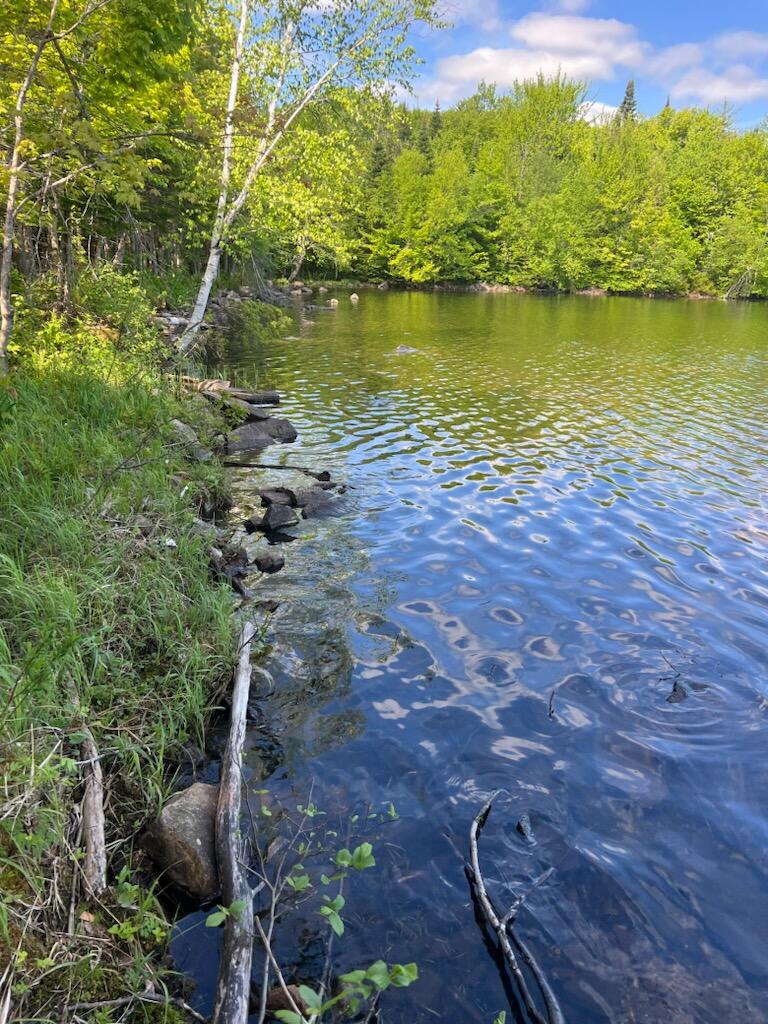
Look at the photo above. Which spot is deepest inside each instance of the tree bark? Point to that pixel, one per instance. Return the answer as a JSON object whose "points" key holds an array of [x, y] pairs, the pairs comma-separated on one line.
{"points": [[234, 982], [217, 233], [14, 179]]}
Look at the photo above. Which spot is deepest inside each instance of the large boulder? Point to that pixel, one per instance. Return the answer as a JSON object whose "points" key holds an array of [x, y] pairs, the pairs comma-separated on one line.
{"points": [[182, 840], [261, 434]]}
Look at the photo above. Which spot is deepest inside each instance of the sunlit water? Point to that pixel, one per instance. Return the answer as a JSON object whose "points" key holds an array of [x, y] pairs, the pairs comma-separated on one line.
{"points": [[555, 521]]}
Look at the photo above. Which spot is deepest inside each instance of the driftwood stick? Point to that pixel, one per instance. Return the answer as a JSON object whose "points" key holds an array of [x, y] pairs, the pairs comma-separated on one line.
{"points": [[550, 999], [274, 465], [92, 806], [489, 912], [233, 986]]}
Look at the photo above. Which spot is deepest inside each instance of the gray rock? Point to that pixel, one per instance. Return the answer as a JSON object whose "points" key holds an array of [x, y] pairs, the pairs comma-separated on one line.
{"points": [[354, 297], [277, 517], [261, 434], [190, 442], [181, 841], [271, 560], [278, 496], [322, 290], [333, 302]]}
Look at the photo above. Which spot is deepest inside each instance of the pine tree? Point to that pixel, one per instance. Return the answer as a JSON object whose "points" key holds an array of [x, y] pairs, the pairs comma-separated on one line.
{"points": [[628, 107], [437, 120]]}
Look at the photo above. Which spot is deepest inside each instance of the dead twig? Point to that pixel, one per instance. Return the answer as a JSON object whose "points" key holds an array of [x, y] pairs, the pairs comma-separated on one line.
{"points": [[501, 928], [92, 806], [143, 997]]}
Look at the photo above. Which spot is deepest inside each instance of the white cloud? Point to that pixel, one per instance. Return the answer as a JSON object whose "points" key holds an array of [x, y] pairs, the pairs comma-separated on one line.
{"points": [[675, 58], [482, 14], [561, 39], [735, 84], [613, 41], [595, 112], [735, 45]]}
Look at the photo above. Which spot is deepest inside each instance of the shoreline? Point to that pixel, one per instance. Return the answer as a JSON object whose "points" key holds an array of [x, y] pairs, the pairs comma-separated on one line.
{"points": [[490, 288]]}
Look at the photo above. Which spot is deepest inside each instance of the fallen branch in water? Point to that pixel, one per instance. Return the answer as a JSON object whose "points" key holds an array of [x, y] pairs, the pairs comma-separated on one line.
{"points": [[323, 476], [503, 931], [233, 986]]}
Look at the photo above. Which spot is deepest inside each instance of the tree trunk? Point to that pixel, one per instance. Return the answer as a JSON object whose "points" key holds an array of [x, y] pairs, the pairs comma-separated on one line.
{"points": [[189, 336], [14, 180], [298, 260]]}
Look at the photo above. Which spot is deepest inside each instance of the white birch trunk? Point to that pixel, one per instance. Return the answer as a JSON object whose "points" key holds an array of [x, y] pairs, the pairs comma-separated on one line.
{"points": [[189, 336]]}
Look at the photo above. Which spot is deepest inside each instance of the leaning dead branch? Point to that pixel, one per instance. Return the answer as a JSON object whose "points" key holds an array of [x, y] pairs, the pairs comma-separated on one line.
{"points": [[233, 987], [501, 927]]}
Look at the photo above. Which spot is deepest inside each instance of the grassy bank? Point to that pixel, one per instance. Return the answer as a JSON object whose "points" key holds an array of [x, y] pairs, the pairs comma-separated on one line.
{"points": [[106, 602]]}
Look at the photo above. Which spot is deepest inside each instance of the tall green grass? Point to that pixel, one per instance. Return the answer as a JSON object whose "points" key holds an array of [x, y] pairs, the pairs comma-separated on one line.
{"points": [[104, 592]]}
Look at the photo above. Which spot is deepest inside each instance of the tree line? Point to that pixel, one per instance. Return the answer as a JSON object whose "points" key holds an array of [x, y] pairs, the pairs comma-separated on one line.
{"points": [[187, 138], [522, 188]]}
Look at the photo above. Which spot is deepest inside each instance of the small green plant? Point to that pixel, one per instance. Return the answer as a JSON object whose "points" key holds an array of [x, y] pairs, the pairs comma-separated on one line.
{"points": [[220, 914], [356, 988]]}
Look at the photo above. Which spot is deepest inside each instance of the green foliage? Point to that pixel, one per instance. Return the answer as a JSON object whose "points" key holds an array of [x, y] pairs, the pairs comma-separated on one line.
{"points": [[93, 599], [521, 189]]}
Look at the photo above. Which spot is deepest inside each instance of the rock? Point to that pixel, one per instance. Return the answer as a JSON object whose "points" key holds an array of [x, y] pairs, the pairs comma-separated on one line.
{"points": [[190, 442], [181, 840], [253, 523], [144, 526], [277, 517], [678, 694], [354, 297], [318, 503], [333, 302], [322, 290], [270, 561], [405, 350], [261, 434], [278, 496], [383, 287], [277, 999], [269, 605], [323, 476]]}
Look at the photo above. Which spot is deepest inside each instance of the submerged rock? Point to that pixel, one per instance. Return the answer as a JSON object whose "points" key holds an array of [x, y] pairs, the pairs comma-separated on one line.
{"points": [[182, 840], [271, 560], [261, 434], [277, 517]]}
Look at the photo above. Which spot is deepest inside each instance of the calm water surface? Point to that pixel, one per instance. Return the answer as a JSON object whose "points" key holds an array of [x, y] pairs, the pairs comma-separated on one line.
{"points": [[555, 522]]}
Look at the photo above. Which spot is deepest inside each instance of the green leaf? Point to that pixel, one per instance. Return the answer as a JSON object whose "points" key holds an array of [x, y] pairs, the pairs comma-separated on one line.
{"points": [[288, 1017], [325, 879], [378, 973], [500, 1017], [343, 858], [310, 997], [215, 919], [336, 923], [403, 975], [353, 978], [362, 857]]}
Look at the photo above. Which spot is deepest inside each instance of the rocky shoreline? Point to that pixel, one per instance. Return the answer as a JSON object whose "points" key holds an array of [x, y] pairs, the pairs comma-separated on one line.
{"points": [[247, 543]]}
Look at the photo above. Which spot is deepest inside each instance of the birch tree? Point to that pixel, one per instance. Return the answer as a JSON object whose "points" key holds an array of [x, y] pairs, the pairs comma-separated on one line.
{"points": [[287, 56]]}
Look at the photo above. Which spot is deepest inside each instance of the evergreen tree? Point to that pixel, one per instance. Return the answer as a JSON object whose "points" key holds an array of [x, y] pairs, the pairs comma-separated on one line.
{"points": [[628, 107], [437, 121]]}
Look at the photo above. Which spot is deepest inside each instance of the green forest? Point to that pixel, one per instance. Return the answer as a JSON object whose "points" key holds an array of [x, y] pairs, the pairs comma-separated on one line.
{"points": [[128, 150], [154, 154]]}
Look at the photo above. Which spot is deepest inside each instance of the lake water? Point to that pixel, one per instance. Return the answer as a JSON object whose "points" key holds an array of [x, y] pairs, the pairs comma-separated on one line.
{"points": [[548, 576]]}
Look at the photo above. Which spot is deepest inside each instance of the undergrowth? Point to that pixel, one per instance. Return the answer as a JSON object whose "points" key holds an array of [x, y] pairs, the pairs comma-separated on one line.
{"points": [[106, 602]]}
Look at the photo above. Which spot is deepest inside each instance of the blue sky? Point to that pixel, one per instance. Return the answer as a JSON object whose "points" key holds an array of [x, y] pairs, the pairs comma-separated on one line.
{"points": [[701, 53]]}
